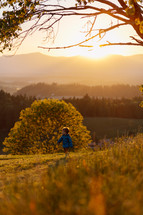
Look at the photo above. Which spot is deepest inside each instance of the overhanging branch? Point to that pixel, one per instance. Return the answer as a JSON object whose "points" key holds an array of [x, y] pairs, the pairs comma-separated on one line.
{"points": [[46, 16], [121, 44], [85, 41]]}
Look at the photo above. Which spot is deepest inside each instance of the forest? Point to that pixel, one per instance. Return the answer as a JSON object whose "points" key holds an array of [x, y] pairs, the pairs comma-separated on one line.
{"points": [[10, 107], [108, 107], [42, 90]]}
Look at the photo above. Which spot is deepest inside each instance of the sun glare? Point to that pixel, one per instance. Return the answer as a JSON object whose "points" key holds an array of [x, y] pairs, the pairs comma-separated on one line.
{"points": [[97, 52]]}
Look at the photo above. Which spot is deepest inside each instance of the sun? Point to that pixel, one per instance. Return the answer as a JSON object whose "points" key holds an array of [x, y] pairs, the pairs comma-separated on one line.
{"points": [[96, 52]]}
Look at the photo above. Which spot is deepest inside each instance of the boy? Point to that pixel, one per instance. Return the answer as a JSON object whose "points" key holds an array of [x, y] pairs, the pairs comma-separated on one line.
{"points": [[66, 139]]}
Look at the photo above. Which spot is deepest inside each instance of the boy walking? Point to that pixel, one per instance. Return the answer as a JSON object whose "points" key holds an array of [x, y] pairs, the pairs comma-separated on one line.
{"points": [[66, 139]]}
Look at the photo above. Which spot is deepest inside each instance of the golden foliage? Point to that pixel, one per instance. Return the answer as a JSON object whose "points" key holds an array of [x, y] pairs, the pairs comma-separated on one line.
{"points": [[39, 127]]}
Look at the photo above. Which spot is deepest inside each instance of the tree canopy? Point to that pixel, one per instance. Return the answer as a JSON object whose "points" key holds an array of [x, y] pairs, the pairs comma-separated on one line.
{"points": [[43, 15], [39, 127]]}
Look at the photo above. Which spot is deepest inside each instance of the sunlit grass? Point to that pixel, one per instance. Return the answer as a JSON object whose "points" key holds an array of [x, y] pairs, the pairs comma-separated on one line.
{"points": [[103, 182]]}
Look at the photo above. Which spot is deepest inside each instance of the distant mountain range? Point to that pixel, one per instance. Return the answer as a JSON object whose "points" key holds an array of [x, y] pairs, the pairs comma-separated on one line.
{"points": [[36, 67], [42, 90]]}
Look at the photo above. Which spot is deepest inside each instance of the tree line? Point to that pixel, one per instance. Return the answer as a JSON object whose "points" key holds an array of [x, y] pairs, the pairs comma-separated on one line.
{"points": [[10, 107], [42, 90], [108, 107]]}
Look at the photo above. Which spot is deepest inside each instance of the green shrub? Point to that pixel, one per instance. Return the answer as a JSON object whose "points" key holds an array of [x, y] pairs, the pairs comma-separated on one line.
{"points": [[40, 127]]}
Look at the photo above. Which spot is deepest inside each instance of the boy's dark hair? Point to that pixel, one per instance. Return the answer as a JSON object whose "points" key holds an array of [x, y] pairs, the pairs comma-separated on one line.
{"points": [[66, 129]]}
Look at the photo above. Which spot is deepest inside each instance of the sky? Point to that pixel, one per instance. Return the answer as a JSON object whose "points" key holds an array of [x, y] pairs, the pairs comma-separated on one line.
{"points": [[70, 31]]}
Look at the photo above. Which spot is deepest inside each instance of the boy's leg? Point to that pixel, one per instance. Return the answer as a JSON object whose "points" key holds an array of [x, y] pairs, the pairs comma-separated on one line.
{"points": [[66, 152]]}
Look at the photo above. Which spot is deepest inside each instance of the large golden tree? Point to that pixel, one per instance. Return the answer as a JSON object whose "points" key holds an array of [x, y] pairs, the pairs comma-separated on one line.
{"points": [[39, 127]]}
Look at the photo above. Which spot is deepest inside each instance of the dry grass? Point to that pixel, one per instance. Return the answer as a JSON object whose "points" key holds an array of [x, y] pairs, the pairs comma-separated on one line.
{"points": [[108, 182]]}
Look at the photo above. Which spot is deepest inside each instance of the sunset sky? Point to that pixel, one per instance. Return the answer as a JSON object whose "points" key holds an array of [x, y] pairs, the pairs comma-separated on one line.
{"points": [[70, 31]]}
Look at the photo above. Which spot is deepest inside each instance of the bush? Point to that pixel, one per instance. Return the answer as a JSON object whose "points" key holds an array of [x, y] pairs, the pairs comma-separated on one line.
{"points": [[40, 126]]}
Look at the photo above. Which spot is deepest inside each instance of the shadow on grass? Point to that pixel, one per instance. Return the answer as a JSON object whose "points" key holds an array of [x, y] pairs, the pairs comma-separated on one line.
{"points": [[8, 158], [61, 161]]}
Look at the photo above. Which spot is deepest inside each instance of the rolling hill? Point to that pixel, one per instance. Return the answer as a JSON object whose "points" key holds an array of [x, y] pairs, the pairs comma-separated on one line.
{"points": [[37, 67]]}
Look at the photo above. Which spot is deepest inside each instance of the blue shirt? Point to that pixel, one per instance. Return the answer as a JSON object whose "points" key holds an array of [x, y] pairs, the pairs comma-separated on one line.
{"points": [[67, 141]]}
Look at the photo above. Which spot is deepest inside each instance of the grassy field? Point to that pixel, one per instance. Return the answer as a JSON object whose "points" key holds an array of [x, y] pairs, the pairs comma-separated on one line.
{"points": [[107, 182], [113, 127]]}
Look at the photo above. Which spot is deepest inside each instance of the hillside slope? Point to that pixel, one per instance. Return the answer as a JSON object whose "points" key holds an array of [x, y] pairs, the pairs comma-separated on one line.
{"points": [[42, 90], [107, 182], [38, 67]]}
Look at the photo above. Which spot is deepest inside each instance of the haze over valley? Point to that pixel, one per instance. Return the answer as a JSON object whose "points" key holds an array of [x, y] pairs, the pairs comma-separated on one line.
{"points": [[21, 70]]}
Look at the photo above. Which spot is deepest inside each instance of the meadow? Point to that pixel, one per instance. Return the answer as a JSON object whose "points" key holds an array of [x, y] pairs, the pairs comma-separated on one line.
{"points": [[113, 127], [101, 182]]}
